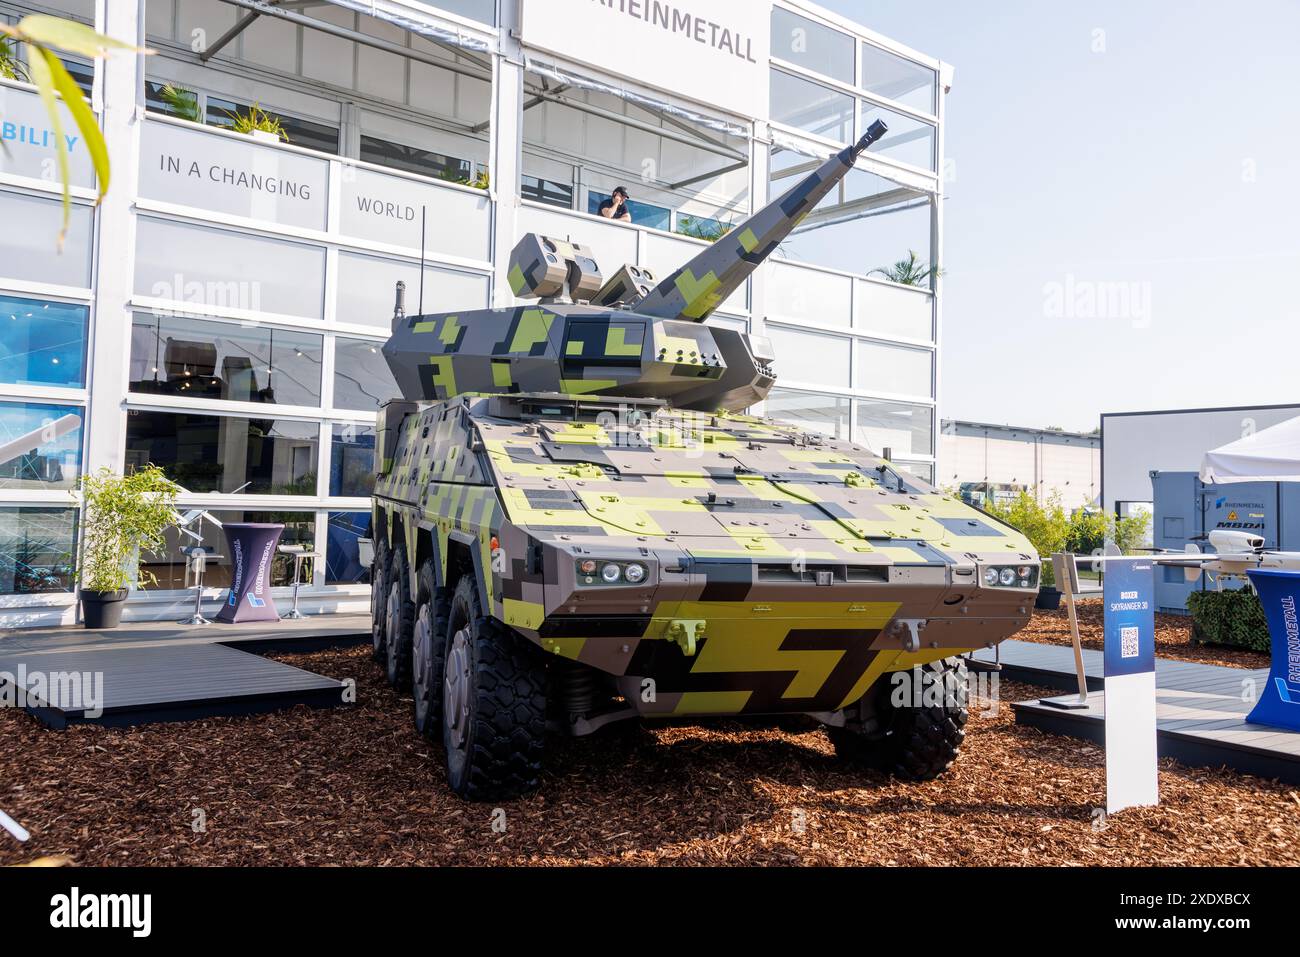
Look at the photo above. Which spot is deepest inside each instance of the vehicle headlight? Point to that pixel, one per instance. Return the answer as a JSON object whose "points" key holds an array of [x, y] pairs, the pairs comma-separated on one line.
{"points": [[587, 566], [609, 572], [634, 573], [990, 576]]}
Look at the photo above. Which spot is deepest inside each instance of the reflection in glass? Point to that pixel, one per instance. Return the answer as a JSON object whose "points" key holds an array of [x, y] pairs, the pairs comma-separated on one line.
{"points": [[889, 75], [922, 470], [811, 45], [40, 445], [168, 564], [902, 427], [547, 191], [42, 343], [342, 553], [211, 453], [414, 160], [826, 414], [352, 459], [179, 355], [810, 106], [362, 379], [38, 546]]}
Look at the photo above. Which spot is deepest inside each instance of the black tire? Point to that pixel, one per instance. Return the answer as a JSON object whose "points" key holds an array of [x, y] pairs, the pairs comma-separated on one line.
{"points": [[400, 626], [494, 704], [429, 652], [914, 741], [379, 601]]}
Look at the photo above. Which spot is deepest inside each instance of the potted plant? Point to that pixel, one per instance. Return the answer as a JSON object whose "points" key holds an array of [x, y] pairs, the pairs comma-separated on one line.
{"points": [[125, 516], [259, 124], [909, 272]]}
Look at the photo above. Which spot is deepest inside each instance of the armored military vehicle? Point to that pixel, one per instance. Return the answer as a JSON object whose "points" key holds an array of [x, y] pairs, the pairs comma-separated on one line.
{"points": [[576, 524]]}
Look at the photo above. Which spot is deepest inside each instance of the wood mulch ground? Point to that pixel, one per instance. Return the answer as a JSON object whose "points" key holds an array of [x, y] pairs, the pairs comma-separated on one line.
{"points": [[1173, 636], [358, 786]]}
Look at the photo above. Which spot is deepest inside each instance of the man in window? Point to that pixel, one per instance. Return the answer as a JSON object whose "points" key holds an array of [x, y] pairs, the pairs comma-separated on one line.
{"points": [[616, 206]]}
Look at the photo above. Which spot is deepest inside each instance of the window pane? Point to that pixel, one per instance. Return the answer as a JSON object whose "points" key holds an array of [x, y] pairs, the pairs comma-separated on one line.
{"points": [[643, 214], [40, 445], [483, 11], [352, 460], [210, 453], [903, 428], [43, 343], [168, 565], [812, 45], [887, 74], [702, 227], [922, 470], [810, 106], [547, 191], [28, 253], [367, 288], [413, 160], [38, 546], [908, 140], [177, 355], [886, 368], [810, 357], [305, 133], [362, 379], [826, 414], [342, 553], [220, 268]]}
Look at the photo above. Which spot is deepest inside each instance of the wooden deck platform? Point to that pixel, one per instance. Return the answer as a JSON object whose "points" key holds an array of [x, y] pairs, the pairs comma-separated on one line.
{"points": [[160, 671], [1200, 709]]}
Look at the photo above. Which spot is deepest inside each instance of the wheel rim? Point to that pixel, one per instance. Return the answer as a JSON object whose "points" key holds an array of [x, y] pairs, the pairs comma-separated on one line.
{"points": [[456, 684], [421, 655]]}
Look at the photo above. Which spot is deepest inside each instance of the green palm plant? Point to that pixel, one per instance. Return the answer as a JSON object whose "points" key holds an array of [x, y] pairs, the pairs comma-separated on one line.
{"points": [[184, 104], [910, 271]]}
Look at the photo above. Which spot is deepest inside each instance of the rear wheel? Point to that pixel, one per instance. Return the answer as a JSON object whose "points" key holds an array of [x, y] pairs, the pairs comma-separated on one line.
{"points": [[910, 730], [401, 622], [429, 651], [493, 704], [379, 600]]}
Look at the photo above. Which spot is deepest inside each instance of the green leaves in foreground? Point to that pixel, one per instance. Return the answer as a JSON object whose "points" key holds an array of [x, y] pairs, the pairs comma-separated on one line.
{"points": [[44, 34]]}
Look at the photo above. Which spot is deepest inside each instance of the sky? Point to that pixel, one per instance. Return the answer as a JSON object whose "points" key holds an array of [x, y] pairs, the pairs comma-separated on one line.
{"points": [[1122, 220]]}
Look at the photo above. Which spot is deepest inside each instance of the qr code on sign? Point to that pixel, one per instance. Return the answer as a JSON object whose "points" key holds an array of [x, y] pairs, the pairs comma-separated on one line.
{"points": [[1128, 642]]}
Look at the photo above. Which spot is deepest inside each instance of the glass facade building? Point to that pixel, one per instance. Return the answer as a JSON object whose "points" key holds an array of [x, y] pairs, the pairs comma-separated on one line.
{"points": [[221, 314]]}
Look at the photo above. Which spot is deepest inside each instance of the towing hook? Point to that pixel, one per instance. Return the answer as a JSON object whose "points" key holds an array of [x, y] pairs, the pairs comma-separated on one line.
{"points": [[910, 632]]}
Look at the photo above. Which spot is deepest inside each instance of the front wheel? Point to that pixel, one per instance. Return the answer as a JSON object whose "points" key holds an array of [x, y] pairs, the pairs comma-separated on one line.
{"points": [[493, 704], [911, 727]]}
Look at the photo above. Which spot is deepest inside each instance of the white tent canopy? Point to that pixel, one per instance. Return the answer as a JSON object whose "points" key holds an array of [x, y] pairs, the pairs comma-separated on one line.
{"points": [[1272, 455]]}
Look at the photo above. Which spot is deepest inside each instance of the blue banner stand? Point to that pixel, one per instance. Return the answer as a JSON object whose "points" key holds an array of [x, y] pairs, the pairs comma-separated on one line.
{"points": [[1279, 703], [252, 549], [1130, 659]]}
